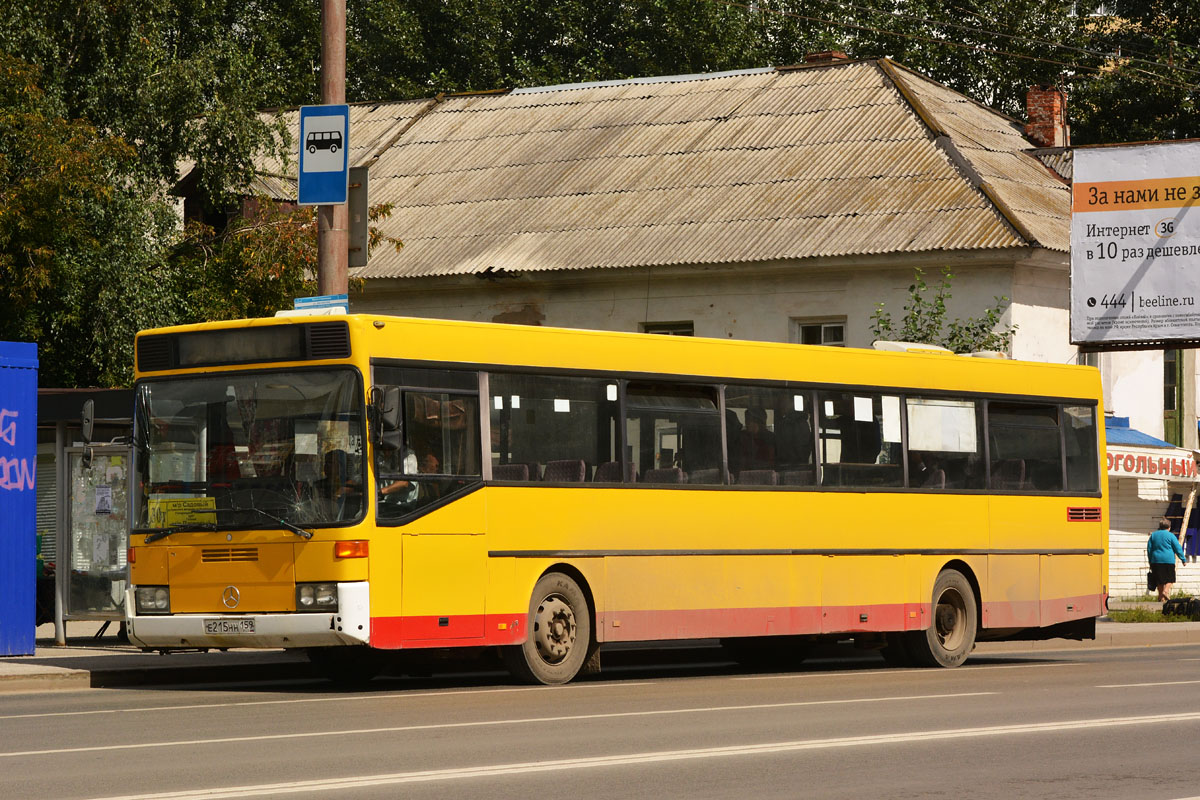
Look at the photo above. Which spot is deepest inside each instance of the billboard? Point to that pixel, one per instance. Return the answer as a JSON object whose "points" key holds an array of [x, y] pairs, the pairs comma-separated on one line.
{"points": [[1135, 244]]}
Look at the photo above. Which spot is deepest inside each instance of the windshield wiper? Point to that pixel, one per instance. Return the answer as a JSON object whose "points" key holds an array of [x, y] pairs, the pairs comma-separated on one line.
{"points": [[162, 533], [283, 523]]}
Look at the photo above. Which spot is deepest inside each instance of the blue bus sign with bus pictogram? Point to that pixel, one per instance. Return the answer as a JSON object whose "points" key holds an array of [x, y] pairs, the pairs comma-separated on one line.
{"points": [[324, 161]]}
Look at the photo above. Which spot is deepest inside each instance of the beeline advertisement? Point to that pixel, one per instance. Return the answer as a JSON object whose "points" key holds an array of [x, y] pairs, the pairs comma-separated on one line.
{"points": [[1135, 243]]}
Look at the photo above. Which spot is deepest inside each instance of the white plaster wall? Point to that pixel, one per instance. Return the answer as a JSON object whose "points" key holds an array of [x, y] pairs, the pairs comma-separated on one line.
{"points": [[1040, 311], [1137, 389], [749, 303]]}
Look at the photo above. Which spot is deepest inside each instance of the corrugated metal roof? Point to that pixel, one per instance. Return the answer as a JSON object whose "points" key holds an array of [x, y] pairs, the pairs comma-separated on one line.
{"points": [[730, 167]]}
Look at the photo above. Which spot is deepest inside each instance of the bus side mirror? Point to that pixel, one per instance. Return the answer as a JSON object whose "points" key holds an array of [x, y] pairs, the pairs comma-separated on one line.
{"points": [[385, 412]]}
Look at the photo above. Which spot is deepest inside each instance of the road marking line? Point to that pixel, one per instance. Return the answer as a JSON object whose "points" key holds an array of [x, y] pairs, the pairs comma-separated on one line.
{"points": [[486, 723], [328, 785], [402, 694], [1135, 685], [915, 671]]}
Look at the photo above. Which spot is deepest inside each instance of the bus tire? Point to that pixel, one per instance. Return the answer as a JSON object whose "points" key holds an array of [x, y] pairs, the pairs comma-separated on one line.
{"points": [[559, 639], [950, 637]]}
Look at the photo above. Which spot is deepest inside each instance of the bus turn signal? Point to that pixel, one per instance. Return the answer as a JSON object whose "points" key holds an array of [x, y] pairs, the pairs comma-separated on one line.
{"points": [[356, 548]]}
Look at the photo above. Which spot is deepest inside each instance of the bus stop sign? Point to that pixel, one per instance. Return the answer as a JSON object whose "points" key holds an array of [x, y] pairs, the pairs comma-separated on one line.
{"points": [[324, 163]]}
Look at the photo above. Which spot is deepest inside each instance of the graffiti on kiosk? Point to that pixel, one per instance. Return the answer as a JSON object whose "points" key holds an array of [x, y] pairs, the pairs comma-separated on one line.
{"points": [[15, 473]]}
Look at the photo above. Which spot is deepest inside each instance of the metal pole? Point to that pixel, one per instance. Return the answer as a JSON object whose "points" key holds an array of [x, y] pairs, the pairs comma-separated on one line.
{"points": [[62, 491], [333, 243]]}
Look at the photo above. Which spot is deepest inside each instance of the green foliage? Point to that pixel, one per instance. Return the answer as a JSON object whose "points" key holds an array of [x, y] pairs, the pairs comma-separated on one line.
{"points": [[1145, 615], [80, 268], [257, 264], [183, 79], [925, 320], [1149, 84]]}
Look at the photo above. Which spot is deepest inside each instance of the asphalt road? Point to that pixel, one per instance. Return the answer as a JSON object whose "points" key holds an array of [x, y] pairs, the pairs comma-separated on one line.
{"points": [[1092, 724]]}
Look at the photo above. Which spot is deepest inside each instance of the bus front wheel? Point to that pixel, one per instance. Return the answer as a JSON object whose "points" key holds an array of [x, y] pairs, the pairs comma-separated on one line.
{"points": [[950, 637], [559, 633]]}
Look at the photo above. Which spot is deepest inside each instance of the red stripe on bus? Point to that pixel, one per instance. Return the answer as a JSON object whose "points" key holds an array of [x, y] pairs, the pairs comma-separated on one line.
{"points": [[462, 630], [474, 630]]}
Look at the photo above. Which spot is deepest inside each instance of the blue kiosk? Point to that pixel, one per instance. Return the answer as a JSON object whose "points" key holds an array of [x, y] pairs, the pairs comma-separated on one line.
{"points": [[18, 501]]}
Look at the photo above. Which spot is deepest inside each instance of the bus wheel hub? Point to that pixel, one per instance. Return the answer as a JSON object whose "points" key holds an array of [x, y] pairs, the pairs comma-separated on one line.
{"points": [[554, 629]]}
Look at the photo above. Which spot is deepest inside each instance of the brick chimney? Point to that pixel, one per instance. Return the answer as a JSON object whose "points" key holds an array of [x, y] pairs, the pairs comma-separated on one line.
{"points": [[1046, 108], [825, 57]]}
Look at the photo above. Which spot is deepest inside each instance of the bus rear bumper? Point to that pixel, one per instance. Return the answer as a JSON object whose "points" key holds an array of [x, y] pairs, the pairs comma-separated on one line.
{"points": [[350, 624]]}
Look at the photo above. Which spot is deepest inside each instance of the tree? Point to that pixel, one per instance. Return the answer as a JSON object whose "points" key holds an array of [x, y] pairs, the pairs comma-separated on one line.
{"points": [[1149, 84], [81, 264], [182, 79], [257, 264], [925, 321]]}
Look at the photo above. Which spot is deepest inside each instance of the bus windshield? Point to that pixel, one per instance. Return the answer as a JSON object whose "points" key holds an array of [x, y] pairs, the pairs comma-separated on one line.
{"points": [[249, 450]]}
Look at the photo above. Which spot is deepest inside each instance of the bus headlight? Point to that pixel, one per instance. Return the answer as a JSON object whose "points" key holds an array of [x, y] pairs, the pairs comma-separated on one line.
{"points": [[153, 599], [316, 597]]}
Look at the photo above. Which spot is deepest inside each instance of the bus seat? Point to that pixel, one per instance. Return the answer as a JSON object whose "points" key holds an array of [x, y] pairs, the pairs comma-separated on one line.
{"points": [[665, 475], [510, 472], [758, 477], [798, 477], [936, 479], [608, 472], [570, 470], [709, 476]]}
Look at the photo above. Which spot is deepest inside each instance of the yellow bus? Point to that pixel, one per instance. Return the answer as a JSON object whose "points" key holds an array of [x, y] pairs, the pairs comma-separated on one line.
{"points": [[357, 484]]}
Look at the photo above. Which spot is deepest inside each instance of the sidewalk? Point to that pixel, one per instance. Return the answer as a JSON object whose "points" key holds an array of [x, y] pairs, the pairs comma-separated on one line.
{"points": [[89, 662]]}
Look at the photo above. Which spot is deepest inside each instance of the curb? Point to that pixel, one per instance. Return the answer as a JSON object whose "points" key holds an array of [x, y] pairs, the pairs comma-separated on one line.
{"points": [[22, 678]]}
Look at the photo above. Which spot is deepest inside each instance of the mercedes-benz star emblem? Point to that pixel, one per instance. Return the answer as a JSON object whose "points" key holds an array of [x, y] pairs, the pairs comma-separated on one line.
{"points": [[231, 596]]}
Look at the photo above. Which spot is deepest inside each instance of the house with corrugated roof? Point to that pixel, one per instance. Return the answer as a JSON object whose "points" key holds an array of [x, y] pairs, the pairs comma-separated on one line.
{"points": [[777, 204]]}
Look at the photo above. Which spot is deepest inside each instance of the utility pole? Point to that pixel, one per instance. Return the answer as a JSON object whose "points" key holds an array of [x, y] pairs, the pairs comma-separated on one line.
{"points": [[332, 220]]}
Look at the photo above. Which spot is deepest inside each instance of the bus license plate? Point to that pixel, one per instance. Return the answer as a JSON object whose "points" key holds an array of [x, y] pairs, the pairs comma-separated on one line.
{"points": [[227, 626]]}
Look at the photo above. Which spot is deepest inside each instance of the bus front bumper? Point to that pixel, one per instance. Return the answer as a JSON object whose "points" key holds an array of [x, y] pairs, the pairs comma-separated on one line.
{"points": [[349, 625]]}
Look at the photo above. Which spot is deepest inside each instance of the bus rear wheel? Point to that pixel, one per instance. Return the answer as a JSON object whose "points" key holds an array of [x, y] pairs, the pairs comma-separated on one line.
{"points": [[559, 633], [950, 637]]}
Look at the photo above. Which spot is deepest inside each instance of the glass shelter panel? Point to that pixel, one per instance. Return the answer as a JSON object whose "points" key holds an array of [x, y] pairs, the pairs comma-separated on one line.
{"points": [[98, 533]]}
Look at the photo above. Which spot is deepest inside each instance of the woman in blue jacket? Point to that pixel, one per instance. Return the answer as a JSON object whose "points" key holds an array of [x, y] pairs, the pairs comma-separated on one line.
{"points": [[1162, 549]]}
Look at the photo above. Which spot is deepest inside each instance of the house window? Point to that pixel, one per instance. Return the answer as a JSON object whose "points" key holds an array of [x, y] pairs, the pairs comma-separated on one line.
{"points": [[680, 328], [830, 332], [1088, 359]]}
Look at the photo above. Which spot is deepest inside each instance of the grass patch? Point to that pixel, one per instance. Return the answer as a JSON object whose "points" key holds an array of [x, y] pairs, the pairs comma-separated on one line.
{"points": [[1145, 615]]}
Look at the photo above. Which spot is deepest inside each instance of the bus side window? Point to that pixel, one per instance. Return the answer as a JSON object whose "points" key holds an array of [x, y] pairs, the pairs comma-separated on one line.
{"points": [[860, 439], [1025, 434], [944, 444], [560, 429], [1083, 465], [675, 430]]}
